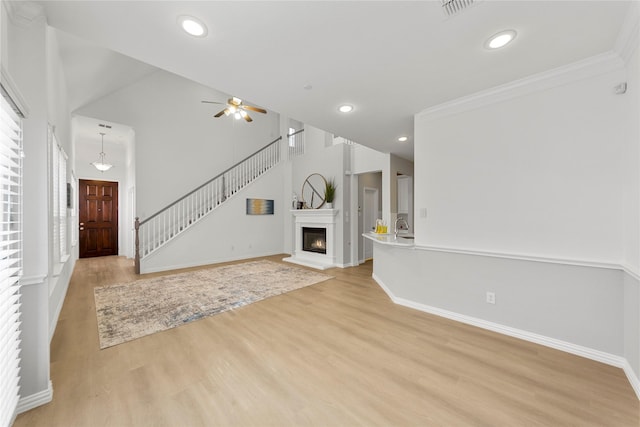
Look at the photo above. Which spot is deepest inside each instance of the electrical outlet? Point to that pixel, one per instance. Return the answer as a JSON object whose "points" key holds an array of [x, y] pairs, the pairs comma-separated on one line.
{"points": [[491, 297]]}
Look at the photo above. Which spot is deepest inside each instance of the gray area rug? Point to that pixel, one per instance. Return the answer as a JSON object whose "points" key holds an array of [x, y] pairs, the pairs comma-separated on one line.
{"points": [[132, 310]]}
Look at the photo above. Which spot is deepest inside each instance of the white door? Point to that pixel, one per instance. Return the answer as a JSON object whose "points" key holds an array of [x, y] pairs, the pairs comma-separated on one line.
{"points": [[369, 216]]}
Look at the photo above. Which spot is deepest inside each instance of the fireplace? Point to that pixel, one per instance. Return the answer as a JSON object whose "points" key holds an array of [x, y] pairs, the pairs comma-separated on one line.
{"points": [[314, 240]]}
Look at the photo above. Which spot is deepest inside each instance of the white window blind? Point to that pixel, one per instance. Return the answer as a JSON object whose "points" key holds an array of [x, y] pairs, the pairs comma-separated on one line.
{"points": [[59, 197], [10, 255]]}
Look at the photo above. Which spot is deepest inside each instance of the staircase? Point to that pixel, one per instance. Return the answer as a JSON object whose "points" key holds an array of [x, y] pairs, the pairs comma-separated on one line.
{"points": [[160, 228]]}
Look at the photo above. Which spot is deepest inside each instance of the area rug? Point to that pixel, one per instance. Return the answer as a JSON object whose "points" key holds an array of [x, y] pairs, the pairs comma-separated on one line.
{"points": [[132, 310]]}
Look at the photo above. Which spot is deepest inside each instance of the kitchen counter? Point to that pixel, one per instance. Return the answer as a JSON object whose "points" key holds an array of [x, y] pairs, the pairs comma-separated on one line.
{"points": [[404, 240]]}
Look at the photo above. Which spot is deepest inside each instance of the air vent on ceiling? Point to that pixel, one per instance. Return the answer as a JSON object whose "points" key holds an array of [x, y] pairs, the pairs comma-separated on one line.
{"points": [[104, 126], [453, 7]]}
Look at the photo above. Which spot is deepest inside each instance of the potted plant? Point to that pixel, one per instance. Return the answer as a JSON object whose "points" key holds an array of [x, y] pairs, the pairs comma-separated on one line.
{"points": [[330, 192]]}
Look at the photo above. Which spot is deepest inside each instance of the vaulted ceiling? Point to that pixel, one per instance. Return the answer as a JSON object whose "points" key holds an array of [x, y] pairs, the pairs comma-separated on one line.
{"points": [[303, 59]]}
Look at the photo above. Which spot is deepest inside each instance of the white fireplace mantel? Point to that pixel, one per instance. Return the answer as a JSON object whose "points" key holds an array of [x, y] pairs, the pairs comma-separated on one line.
{"points": [[315, 218]]}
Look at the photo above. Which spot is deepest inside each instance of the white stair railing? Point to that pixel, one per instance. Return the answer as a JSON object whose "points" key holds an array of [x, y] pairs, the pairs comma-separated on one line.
{"points": [[295, 142], [160, 228]]}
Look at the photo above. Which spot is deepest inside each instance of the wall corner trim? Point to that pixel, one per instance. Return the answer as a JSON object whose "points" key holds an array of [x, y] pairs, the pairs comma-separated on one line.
{"points": [[586, 68], [627, 40], [34, 400], [589, 353]]}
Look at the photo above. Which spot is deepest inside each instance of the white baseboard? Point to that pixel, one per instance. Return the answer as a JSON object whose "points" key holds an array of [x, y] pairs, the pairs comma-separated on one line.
{"points": [[633, 378], [33, 401], [578, 350], [347, 265], [56, 316], [206, 262]]}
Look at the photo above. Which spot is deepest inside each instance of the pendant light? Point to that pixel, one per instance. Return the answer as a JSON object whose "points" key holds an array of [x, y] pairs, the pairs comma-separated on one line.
{"points": [[101, 165]]}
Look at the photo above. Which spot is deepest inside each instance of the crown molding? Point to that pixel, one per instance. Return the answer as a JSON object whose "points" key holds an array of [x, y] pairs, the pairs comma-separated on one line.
{"points": [[632, 272], [627, 41], [24, 13], [586, 68]]}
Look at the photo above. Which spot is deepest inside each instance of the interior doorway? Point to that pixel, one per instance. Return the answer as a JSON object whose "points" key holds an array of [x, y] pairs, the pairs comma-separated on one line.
{"points": [[370, 210], [98, 215]]}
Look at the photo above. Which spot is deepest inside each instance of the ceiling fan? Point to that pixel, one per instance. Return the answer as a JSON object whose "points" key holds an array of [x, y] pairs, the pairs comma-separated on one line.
{"points": [[237, 108]]}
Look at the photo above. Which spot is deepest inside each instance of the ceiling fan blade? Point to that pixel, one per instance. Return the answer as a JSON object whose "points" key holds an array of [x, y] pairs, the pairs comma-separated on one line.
{"points": [[256, 109], [247, 118], [220, 113], [212, 102]]}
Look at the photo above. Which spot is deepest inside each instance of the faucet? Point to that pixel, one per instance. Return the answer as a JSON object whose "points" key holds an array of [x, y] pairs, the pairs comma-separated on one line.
{"points": [[396, 228]]}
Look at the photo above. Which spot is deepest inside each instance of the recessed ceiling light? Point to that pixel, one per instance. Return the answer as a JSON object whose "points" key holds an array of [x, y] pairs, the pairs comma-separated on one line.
{"points": [[501, 39], [192, 26], [403, 139], [345, 108]]}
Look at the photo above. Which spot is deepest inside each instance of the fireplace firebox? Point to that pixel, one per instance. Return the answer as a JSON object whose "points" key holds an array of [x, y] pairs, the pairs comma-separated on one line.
{"points": [[314, 240]]}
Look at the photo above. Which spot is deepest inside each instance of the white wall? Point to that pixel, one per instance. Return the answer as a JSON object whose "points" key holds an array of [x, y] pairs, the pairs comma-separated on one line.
{"points": [[531, 194], [398, 166], [330, 161], [228, 233], [119, 154], [369, 180], [179, 145], [366, 159], [632, 214], [26, 62], [538, 174], [60, 120]]}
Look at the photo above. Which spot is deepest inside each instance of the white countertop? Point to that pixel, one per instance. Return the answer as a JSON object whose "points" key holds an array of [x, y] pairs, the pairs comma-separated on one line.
{"points": [[403, 239]]}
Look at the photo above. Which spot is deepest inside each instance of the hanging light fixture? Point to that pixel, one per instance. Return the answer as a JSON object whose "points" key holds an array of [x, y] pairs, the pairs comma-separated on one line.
{"points": [[101, 165]]}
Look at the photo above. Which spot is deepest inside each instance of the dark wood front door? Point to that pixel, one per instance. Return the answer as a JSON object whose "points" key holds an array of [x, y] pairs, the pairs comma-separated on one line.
{"points": [[98, 218]]}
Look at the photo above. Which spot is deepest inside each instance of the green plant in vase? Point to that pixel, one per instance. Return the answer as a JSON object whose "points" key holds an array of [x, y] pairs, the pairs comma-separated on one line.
{"points": [[330, 192]]}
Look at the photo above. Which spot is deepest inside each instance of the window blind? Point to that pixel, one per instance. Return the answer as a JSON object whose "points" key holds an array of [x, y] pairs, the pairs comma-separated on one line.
{"points": [[59, 197], [10, 255]]}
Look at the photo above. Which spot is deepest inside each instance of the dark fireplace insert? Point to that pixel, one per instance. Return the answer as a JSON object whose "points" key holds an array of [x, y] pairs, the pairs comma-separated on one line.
{"points": [[314, 240]]}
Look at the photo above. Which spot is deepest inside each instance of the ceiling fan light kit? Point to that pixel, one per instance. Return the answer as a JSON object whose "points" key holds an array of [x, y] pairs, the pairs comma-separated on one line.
{"points": [[237, 108]]}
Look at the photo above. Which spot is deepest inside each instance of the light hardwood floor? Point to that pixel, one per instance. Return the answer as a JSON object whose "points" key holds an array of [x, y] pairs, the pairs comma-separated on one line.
{"points": [[338, 353]]}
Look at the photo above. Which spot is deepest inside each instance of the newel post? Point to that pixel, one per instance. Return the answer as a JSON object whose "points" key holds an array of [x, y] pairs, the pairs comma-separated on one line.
{"points": [[137, 254]]}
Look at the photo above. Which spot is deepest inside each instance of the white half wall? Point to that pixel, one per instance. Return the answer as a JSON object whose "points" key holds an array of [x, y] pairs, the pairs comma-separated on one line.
{"points": [[576, 304], [585, 310]]}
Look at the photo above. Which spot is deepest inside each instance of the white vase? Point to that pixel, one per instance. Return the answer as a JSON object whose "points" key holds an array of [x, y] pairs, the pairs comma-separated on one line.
{"points": [[329, 205]]}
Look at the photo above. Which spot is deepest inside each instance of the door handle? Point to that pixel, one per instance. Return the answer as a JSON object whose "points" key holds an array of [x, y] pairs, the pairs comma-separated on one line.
{"points": [[81, 228], [81, 224]]}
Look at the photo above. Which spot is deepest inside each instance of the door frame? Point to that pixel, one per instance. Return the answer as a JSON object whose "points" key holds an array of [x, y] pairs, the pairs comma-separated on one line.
{"points": [[366, 211], [115, 214]]}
